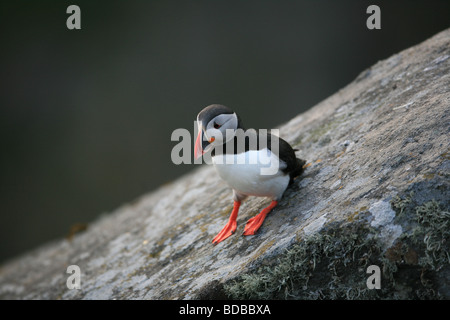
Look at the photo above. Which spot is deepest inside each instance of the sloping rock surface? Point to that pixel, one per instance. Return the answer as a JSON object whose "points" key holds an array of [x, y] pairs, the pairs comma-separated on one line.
{"points": [[378, 164]]}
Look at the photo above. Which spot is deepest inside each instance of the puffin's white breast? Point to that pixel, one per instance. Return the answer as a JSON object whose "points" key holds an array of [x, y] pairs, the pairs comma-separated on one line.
{"points": [[253, 173]]}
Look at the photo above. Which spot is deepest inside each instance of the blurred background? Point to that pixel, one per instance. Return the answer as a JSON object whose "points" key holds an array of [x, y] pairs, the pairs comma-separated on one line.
{"points": [[86, 115]]}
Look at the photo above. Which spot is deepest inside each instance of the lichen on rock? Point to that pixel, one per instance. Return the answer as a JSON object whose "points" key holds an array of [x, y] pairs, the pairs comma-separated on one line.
{"points": [[317, 266], [375, 191]]}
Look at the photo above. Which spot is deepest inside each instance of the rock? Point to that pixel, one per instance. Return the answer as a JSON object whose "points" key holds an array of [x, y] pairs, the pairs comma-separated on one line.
{"points": [[375, 192]]}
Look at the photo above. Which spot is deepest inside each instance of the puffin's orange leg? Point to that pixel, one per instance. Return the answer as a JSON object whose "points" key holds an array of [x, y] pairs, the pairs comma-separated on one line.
{"points": [[230, 227], [255, 223]]}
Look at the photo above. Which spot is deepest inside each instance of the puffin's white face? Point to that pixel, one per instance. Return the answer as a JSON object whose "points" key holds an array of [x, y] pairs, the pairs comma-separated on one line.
{"points": [[221, 129], [216, 131]]}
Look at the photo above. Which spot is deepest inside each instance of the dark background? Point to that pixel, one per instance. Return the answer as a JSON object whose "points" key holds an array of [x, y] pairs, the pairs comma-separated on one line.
{"points": [[86, 115]]}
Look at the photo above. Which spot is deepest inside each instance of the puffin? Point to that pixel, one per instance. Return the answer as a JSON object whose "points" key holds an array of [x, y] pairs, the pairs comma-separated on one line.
{"points": [[252, 163]]}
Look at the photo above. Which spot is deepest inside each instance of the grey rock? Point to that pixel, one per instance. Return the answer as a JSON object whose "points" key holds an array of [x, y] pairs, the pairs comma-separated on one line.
{"points": [[378, 154]]}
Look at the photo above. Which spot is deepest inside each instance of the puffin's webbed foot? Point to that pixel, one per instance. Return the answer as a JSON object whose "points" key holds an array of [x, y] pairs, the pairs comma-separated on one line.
{"points": [[227, 231], [230, 227], [256, 222]]}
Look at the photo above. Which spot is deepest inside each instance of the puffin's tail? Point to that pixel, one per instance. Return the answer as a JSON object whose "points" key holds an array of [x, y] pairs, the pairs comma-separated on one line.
{"points": [[298, 170]]}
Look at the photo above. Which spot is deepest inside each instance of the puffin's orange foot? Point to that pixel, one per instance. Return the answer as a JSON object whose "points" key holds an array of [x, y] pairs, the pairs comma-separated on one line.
{"points": [[230, 228], [256, 222], [227, 231]]}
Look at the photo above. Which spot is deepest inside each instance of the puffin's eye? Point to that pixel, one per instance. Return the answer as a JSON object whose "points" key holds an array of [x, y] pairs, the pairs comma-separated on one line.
{"points": [[216, 125]]}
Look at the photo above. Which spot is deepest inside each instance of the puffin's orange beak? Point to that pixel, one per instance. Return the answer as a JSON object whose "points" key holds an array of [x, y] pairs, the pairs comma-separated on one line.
{"points": [[198, 151]]}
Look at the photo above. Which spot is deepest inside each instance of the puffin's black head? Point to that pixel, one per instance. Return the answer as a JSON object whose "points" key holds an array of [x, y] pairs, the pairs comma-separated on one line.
{"points": [[216, 125]]}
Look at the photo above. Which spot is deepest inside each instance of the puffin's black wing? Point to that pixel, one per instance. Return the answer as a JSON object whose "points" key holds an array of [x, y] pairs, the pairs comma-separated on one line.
{"points": [[294, 165]]}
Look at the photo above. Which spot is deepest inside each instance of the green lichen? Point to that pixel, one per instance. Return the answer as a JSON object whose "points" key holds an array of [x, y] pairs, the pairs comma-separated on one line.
{"points": [[433, 231], [314, 268], [430, 231], [425, 244], [332, 263], [400, 204]]}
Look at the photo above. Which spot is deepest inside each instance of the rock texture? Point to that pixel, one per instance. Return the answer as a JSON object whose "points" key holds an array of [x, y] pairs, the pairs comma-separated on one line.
{"points": [[375, 192]]}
